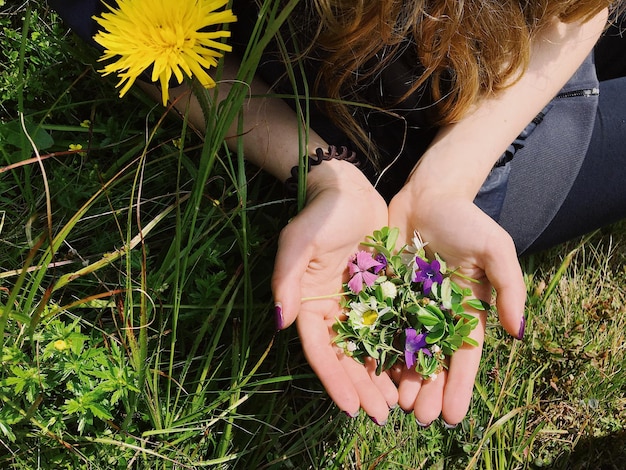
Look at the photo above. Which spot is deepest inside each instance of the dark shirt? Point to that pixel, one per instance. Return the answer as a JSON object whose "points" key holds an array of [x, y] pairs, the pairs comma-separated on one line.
{"points": [[77, 14]]}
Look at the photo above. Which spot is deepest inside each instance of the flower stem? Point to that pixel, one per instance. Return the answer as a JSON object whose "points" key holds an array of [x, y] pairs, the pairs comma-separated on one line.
{"points": [[320, 297], [456, 272]]}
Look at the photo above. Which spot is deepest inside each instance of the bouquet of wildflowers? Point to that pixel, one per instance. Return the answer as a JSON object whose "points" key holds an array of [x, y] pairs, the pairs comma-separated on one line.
{"points": [[402, 306]]}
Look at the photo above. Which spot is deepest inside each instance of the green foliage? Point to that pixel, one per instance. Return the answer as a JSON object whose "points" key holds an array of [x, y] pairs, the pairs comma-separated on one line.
{"points": [[134, 281], [29, 58], [72, 378]]}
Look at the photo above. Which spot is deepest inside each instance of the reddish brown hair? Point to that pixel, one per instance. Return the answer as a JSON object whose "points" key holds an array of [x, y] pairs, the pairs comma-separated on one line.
{"points": [[468, 48]]}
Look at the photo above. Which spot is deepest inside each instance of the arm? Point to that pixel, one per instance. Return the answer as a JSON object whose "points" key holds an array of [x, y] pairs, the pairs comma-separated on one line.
{"points": [[463, 153], [271, 128], [437, 201]]}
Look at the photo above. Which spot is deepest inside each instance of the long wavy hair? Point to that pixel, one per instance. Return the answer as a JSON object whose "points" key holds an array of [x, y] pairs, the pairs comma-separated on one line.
{"points": [[466, 48]]}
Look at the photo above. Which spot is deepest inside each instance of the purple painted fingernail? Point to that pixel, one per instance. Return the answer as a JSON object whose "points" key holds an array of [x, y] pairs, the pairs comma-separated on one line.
{"points": [[449, 426], [376, 421], [522, 328], [351, 415], [278, 316]]}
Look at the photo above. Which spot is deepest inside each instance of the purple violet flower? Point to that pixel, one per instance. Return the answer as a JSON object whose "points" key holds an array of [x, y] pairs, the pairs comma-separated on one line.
{"points": [[427, 273], [359, 268], [383, 263], [413, 345]]}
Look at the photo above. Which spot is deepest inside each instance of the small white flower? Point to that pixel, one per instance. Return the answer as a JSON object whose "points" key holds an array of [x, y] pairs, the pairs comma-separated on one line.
{"points": [[366, 314], [433, 377], [435, 349], [416, 248], [351, 346], [417, 241], [389, 289]]}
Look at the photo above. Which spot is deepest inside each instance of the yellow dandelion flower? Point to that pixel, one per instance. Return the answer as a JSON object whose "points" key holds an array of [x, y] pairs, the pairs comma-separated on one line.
{"points": [[171, 36]]}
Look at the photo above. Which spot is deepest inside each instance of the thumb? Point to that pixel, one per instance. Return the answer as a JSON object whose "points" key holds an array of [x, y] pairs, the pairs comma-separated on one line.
{"points": [[292, 260], [503, 270]]}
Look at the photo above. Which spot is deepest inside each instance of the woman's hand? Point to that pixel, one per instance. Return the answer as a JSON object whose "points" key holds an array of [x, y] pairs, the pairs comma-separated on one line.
{"points": [[313, 252], [467, 239]]}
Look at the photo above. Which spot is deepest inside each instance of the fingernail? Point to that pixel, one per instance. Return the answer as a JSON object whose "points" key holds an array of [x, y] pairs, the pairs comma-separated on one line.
{"points": [[522, 328], [449, 426], [422, 425], [351, 415], [376, 421], [278, 316]]}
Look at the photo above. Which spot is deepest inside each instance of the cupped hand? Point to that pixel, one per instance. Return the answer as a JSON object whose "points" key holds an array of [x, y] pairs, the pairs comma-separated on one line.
{"points": [[471, 242], [311, 264]]}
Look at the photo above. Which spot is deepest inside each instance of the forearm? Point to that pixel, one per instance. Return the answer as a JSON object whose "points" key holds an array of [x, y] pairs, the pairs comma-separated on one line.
{"points": [[272, 133], [463, 153]]}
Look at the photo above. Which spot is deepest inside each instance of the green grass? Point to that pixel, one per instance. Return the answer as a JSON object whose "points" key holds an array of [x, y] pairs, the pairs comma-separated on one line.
{"points": [[135, 302]]}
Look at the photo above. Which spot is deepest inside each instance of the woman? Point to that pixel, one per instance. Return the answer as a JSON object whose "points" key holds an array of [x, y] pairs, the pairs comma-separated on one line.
{"points": [[467, 144], [476, 205]]}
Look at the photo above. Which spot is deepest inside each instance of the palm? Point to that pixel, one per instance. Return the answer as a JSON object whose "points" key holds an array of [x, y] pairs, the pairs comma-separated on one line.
{"points": [[311, 266], [470, 241]]}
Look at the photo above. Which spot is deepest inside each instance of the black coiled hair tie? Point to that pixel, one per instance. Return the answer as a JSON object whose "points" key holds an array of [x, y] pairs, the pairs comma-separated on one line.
{"points": [[291, 184]]}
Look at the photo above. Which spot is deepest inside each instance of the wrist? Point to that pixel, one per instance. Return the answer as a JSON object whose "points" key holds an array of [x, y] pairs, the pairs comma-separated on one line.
{"points": [[427, 185], [341, 176], [436, 176], [331, 173]]}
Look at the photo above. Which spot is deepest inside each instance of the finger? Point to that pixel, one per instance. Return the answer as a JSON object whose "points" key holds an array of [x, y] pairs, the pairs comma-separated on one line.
{"points": [[292, 259], [383, 383], [321, 356], [429, 401], [409, 387], [503, 270], [461, 375], [371, 398]]}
